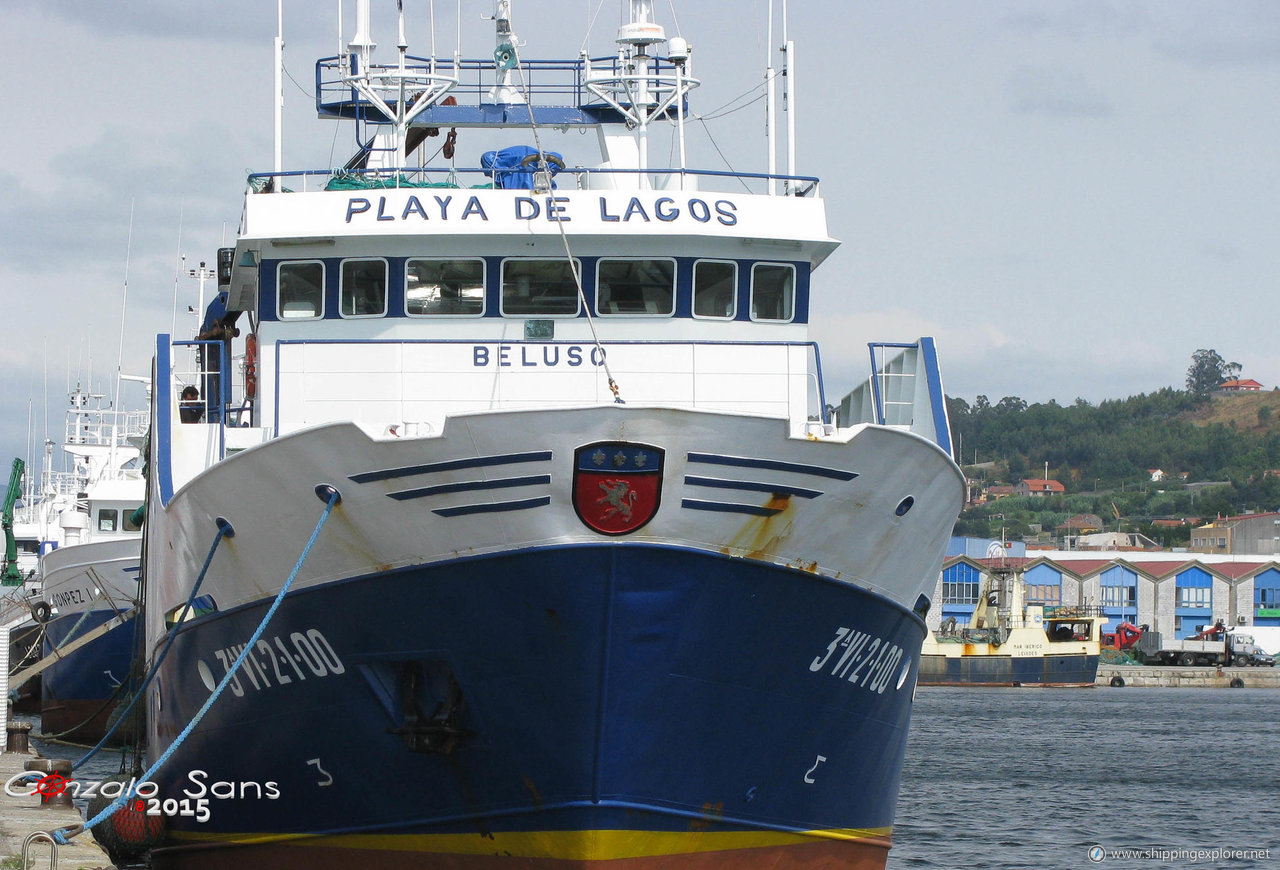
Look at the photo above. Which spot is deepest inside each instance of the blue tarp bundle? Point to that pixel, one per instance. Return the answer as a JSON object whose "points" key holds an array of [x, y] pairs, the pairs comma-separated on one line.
{"points": [[509, 169]]}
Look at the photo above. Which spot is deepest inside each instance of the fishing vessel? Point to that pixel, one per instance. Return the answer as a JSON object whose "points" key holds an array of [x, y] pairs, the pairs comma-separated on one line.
{"points": [[518, 524], [88, 592], [1009, 642]]}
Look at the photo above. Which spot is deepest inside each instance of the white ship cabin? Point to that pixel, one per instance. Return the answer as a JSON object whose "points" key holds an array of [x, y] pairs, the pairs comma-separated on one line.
{"points": [[435, 275], [101, 496]]}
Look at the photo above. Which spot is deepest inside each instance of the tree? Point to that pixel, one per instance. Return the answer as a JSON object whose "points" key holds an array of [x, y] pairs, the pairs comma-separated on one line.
{"points": [[1208, 369]]}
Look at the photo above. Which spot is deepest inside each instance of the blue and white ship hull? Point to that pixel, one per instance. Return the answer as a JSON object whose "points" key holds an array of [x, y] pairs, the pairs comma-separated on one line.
{"points": [[1049, 671], [86, 586], [551, 704], [696, 690], [599, 576]]}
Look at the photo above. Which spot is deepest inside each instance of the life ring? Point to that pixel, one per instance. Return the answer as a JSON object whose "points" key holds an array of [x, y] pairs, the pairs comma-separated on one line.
{"points": [[251, 366], [551, 158], [1117, 682], [41, 611]]}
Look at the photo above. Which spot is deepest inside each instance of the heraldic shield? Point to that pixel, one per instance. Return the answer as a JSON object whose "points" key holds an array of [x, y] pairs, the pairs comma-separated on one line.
{"points": [[616, 485]]}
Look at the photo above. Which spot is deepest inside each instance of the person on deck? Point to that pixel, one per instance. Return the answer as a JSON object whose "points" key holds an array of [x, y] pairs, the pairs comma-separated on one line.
{"points": [[219, 325], [190, 408]]}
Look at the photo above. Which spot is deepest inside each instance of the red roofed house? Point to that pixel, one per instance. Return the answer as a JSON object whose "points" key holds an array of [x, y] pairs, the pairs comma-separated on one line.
{"points": [[1244, 385], [1040, 487]]}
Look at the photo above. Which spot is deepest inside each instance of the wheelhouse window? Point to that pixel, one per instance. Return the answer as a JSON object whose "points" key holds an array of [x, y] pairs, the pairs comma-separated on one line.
{"points": [[446, 288], [635, 287], [364, 288], [108, 520], [300, 291], [1060, 631], [773, 291], [541, 287], [129, 524], [715, 289]]}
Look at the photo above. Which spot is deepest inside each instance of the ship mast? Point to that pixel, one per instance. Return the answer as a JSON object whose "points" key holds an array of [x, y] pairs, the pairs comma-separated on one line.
{"points": [[395, 94], [638, 86]]}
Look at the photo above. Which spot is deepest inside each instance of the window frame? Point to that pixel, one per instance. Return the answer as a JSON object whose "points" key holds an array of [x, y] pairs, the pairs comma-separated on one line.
{"points": [[675, 284], [751, 296], [324, 275], [484, 287], [342, 286], [693, 294], [114, 517], [536, 315]]}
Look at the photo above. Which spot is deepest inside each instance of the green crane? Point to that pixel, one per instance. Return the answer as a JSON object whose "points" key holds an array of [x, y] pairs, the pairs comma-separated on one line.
{"points": [[12, 575]]}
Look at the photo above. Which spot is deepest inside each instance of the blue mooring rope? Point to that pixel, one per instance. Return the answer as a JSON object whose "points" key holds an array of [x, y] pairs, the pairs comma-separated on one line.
{"points": [[63, 835], [224, 530]]}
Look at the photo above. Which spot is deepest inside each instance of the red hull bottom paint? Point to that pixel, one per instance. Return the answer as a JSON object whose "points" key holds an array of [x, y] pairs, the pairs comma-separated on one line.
{"points": [[864, 854]]}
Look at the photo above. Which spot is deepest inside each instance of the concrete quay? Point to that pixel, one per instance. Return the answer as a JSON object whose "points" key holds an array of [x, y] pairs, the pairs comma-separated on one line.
{"points": [[22, 816], [1145, 676]]}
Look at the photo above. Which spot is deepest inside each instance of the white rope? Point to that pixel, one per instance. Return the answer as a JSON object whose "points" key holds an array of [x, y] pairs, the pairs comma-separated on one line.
{"points": [[564, 237]]}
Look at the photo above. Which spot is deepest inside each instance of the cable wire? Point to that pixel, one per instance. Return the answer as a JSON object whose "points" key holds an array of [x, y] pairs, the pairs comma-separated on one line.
{"points": [[564, 237]]}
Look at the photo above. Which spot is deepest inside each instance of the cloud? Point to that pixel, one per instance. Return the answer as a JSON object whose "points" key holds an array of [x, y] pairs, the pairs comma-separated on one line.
{"points": [[1079, 21], [1235, 34], [226, 21], [1048, 91]]}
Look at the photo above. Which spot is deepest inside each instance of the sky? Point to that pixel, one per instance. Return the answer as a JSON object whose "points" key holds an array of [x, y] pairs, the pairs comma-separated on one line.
{"points": [[1071, 197]]}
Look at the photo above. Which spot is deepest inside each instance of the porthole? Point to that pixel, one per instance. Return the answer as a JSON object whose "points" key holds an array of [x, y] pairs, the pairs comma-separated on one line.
{"points": [[905, 505]]}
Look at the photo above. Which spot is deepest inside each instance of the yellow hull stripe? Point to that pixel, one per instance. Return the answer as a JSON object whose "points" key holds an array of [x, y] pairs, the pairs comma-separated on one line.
{"points": [[566, 845]]}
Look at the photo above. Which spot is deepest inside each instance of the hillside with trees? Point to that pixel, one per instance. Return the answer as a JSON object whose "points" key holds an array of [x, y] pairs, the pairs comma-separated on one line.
{"points": [[1105, 454]]}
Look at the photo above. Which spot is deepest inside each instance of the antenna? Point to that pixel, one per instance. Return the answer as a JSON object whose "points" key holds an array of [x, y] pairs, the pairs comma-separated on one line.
{"points": [[789, 97], [279, 88], [182, 262], [124, 304], [770, 108]]}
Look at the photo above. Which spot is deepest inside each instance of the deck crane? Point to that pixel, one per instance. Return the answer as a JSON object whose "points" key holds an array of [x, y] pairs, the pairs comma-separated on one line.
{"points": [[12, 574]]}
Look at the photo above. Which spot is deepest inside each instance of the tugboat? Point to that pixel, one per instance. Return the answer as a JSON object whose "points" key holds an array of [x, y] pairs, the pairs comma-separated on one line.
{"points": [[521, 532], [1011, 643]]}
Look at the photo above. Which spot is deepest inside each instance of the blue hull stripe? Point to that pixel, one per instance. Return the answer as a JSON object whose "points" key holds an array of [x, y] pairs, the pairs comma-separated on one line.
{"points": [[493, 508], [470, 486], [724, 507], [452, 465], [749, 486], [773, 465]]}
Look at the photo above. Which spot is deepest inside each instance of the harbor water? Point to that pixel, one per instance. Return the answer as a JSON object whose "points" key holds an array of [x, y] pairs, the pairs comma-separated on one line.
{"points": [[1019, 778]]}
